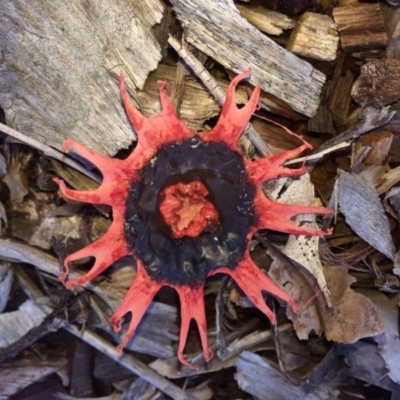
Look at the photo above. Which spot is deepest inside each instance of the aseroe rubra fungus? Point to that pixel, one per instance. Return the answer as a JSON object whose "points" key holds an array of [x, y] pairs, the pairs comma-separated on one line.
{"points": [[185, 206]]}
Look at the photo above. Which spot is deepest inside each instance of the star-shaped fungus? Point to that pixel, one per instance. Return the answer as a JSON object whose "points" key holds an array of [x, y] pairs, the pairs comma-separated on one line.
{"points": [[185, 206]]}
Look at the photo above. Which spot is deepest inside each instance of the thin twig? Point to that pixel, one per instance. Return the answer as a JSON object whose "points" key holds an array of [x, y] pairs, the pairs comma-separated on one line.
{"points": [[319, 155], [48, 151]]}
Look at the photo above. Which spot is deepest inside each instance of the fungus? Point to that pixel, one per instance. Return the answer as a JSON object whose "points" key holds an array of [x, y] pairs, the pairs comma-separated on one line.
{"points": [[185, 206]]}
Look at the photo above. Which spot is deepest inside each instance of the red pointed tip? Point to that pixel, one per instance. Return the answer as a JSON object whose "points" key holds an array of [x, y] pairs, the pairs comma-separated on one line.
{"points": [[187, 364], [161, 84], [242, 75], [232, 120], [137, 118], [120, 348]]}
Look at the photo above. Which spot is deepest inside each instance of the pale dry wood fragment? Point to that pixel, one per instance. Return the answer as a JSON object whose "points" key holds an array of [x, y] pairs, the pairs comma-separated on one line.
{"points": [[314, 36], [360, 204], [239, 46], [381, 177], [268, 21], [60, 62], [361, 27], [378, 80]]}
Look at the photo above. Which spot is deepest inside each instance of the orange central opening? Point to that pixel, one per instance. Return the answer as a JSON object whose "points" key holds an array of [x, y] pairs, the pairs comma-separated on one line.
{"points": [[186, 210]]}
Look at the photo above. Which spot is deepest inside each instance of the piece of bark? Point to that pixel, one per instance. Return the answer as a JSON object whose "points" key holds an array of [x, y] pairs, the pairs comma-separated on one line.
{"points": [[314, 36], [267, 21], [262, 379], [82, 370], [360, 204], [354, 23], [379, 144], [378, 80], [322, 121], [59, 67], [240, 46], [339, 103]]}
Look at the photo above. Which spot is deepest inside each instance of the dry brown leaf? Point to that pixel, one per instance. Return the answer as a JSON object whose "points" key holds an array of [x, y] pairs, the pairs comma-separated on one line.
{"points": [[352, 315]]}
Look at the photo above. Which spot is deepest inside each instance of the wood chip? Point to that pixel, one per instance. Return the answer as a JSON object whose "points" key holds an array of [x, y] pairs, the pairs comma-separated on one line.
{"points": [[240, 46], [354, 22], [379, 144], [378, 80], [314, 36], [266, 20]]}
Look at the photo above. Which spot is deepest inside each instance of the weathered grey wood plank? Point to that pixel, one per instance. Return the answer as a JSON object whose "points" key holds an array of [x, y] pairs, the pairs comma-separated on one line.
{"points": [[217, 29], [59, 62]]}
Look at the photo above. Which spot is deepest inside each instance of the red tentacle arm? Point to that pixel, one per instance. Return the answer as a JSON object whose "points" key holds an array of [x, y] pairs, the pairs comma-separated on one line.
{"points": [[233, 120], [111, 169], [153, 132], [136, 302], [272, 167], [253, 281], [277, 216], [192, 307], [105, 250]]}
